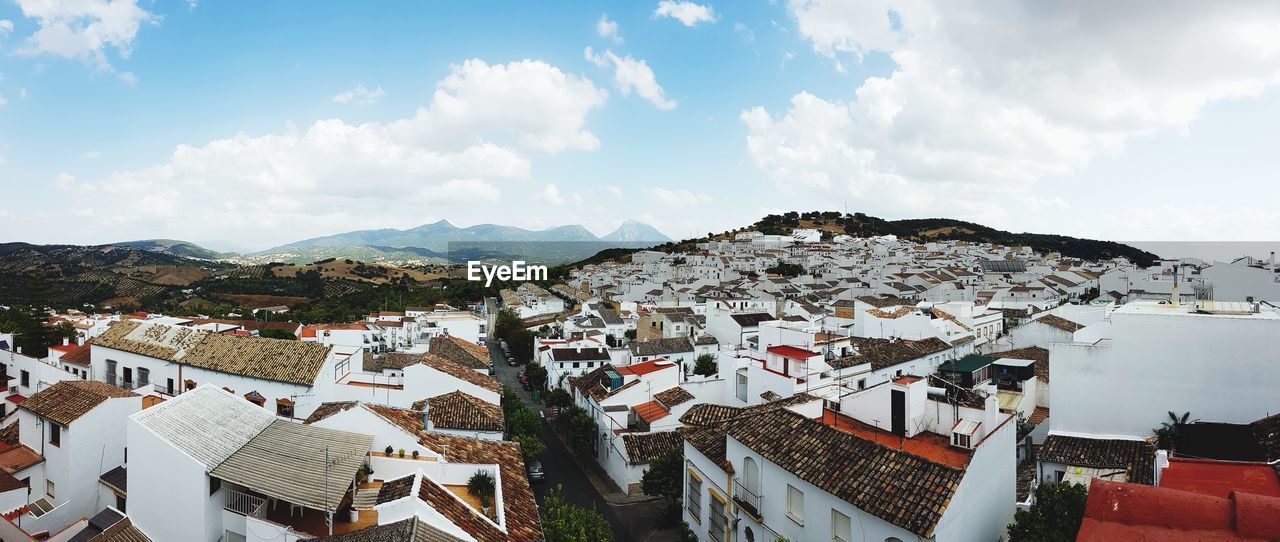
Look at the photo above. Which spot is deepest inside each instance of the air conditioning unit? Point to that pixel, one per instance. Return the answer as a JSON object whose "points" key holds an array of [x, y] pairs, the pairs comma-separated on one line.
{"points": [[13, 389]]}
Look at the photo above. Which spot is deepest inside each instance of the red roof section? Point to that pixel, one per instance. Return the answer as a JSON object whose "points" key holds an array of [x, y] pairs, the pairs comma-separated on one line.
{"points": [[651, 412], [792, 352], [640, 369], [931, 446], [1220, 478], [15, 399], [1124, 511]]}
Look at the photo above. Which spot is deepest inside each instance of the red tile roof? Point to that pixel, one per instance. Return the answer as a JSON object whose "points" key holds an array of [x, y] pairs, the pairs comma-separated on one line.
{"points": [[1124, 511], [651, 412], [645, 368], [1220, 478], [791, 352]]}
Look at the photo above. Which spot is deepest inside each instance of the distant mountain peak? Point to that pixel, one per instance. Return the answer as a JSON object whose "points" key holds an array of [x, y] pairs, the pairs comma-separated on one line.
{"points": [[631, 231]]}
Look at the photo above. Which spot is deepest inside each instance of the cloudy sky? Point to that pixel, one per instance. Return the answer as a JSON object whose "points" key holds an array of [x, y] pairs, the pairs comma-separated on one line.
{"points": [[266, 122]]}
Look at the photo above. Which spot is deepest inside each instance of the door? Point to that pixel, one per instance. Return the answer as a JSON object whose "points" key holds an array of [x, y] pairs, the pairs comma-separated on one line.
{"points": [[898, 408]]}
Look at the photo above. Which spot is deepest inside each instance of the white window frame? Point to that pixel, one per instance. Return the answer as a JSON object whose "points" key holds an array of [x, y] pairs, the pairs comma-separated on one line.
{"points": [[795, 505], [693, 497], [841, 533]]}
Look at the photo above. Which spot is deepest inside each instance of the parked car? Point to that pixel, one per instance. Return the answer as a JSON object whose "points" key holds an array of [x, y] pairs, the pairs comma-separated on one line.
{"points": [[511, 362], [535, 472]]}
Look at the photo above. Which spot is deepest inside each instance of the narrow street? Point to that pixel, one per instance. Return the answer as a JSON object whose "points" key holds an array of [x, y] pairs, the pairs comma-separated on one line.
{"points": [[558, 465]]}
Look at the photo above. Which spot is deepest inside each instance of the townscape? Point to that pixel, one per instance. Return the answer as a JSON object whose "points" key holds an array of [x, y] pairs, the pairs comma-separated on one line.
{"points": [[792, 386], [639, 271]]}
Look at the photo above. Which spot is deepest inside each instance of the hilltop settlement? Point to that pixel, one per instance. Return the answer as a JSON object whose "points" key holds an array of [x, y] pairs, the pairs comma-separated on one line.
{"points": [[758, 386]]}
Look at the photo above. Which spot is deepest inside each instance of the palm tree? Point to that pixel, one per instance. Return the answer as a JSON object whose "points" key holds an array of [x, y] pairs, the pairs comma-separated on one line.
{"points": [[1167, 433]]}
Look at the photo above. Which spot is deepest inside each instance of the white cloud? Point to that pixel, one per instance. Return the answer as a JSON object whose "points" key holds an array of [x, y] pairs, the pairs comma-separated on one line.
{"points": [[91, 154], [3, 101], [551, 194], [679, 198], [613, 191], [84, 29], [630, 74], [688, 13], [478, 134], [608, 29], [6, 26], [970, 119], [744, 31], [360, 96]]}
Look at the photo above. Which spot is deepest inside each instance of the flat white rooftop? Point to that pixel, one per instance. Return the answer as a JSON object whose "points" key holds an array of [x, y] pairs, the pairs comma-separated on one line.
{"points": [[1202, 309]]}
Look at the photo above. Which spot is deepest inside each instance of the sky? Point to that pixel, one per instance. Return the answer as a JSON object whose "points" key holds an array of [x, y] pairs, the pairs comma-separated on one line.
{"points": [[245, 125]]}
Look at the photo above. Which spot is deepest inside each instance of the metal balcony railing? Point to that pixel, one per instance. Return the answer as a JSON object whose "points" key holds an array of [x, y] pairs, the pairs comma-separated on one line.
{"points": [[164, 389], [244, 503], [746, 499]]}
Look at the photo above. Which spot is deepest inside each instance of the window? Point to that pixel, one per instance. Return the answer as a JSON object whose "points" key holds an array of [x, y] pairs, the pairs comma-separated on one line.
{"points": [[693, 498], [841, 530], [795, 505], [169, 386], [284, 409], [26, 379], [862, 383], [48, 489], [214, 485], [576, 365], [55, 434], [716, 521], [961, 440], [144, 377]]}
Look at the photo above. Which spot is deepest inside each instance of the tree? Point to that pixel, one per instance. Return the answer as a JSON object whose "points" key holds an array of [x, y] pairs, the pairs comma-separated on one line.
{"points": [[1055, 516], [522, 421], [531, 447], [1167, 433], [537, 375], [581, 429], [705, 365], [786, 270], [510, 328], [564, 522], [30, 334], [559, 398], [276, 334], [664, 478]]}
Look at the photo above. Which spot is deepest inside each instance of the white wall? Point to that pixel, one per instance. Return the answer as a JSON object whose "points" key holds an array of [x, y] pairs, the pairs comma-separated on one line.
{"points": [[1219, 368], [169, 491], [983, 504]]}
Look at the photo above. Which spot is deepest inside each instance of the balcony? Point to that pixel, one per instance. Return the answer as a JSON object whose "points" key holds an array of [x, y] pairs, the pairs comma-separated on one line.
{"points": [[244, 503], [746, 499], [164, 389]]}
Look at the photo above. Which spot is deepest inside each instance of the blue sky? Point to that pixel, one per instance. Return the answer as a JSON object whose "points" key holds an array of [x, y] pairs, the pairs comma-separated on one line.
{"points": [[269, 122]]}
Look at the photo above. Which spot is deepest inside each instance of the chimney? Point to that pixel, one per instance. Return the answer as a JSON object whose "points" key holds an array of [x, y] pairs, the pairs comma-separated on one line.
{"points": [[66, 341], [990, 415]]}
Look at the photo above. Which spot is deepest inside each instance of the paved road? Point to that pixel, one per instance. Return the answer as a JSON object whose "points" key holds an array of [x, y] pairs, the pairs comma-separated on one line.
{"points": [[556, 461]]}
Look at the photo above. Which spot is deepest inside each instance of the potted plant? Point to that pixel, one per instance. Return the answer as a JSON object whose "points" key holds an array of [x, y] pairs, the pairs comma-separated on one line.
{"points": [[402, 453], [486, 504], [415, 454], [389, 450], [480, 485], [353, 515]]}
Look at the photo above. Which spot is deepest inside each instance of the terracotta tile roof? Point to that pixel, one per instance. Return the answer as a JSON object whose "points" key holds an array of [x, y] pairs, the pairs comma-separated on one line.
{"points": [[519, 506], [269, 359], [674, 396], [1135, 456], [393, 360], [594, 383], [884, 302], [394, 490], [705, 414], [1039, 415], [661, 347], [1120, 511], [460, 351], [117, 480], [1267, 432], [406, 530], [461, 372], [645, 447], [1036, 353], [9, 434], [78, 354], [328, 409], [19, 457], [123, 531], [901, 488], [1059, 322], [67, 401], [651, 411], [465, 517], [459, 410], [882, 353]]}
